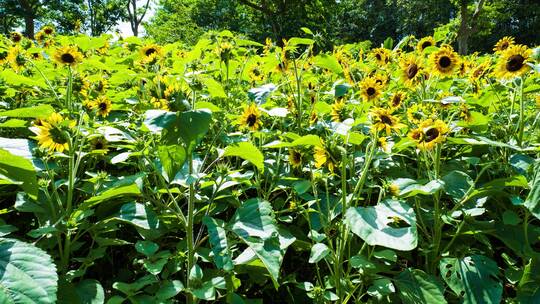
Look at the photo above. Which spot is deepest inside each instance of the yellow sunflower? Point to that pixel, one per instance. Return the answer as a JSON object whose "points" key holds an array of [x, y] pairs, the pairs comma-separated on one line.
{"points": [[381, 79], [103, 105], [444, 61], [513, 62], [411, 70], [251, 118], [16, 58], [68, 55], [151, 52], [16, 37], [429, 133], [381, 55], [369, 89], [99, 143], [425, 43], [397, 99], [52, 134], [382, 119], [478, 71], [503, 44], [322, 157], [256, 73], [224, 51], [417, 113], [47, 30], [295, 158], [339, 113]]}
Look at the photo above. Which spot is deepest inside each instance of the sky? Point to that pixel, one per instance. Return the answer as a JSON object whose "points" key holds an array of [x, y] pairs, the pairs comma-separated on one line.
{"points": [[125, 27]]}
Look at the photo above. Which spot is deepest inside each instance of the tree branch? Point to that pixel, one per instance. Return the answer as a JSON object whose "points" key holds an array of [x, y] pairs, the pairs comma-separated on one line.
{"points": [[254, 6]]}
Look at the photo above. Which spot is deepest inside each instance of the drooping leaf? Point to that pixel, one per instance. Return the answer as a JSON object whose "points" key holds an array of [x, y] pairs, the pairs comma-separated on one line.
{"points": [[28, 274], [318, 252], [138, 215], [19, 169], [214, 88], [328, 62], [247, 151], [457, 183], [124, 191], [218, 240], [38, 111], [474, 278], [391, 224]]}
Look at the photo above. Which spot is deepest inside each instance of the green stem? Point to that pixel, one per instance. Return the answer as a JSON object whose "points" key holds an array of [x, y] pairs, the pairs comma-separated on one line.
{"points": [[367, 164], [190, 215], [521, 114]]}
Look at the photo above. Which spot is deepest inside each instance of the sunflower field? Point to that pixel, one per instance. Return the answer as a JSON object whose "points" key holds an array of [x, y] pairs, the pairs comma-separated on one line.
{"points": [[234, 171]]}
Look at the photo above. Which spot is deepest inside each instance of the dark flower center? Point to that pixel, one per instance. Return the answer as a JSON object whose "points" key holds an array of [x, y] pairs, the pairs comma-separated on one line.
{"points": [[297, 157], [103, 106], [67, 58], [251, 120], [396, 100], [426, 44], [432, 134], [379, 81], [386, 120], [514, 63], [16, 37], [48, 31], [58, 136], [150, 51], [99, 145], [371, 91], [445, 62], [412, 70], [504, 45], [378, 56]]}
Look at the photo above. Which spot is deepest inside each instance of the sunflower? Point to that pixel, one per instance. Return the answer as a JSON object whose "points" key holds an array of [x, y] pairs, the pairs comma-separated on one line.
{"points": [[224, 51], [47, 30], [444, 61], [381, 55], [322, 157], [339, 113], [103, 105], [68, 55], [479, 70], [411, 70], [369, 89], [151, 52], [425, 43], [503, 44], [255, 73], [382, 119], [295, 158], [99, 143], [381, 79], [16, 37], [397, 99], [16, 58], [417, 113], [52, 133], [464, 66], [513, 62], [429, 133], [251, 118]]}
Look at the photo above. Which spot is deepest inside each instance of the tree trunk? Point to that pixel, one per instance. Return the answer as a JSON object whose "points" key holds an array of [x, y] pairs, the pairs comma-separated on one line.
{"points": [[29, 26]]}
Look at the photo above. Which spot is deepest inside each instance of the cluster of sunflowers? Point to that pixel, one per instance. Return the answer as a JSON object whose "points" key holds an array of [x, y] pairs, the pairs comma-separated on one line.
{"points": [[411, 105]]}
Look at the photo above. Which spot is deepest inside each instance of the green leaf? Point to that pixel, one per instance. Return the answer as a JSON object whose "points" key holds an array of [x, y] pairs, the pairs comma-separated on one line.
{"points": [[205, 292], [190, 126], [39, 111], [409, 187], [391, 224], [14, 79], [528, 291], [381, 287], [148, 248], [19, 169], [157, 120], [328, 62], [474, 278], [169, 289], [218, 240], [457, 183], [247, 151], [417, 287], [318, 252], [533, 199], [214, 88], [307, 140], [172, 159], [28, 274], [110, 194], [90, 292], [138, 215]]}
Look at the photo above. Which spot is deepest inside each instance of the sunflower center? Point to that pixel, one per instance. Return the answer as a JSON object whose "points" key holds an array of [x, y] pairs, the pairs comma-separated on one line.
{"points": [[297, 157], [432, 134], [48, 31], [386, 120], [67, 58], [102, 106], [426, 44], [99, 145], [371, 91], [251, 120], [514, 63], [58, 136], [412, 70], [150, 51], [445, 62], [379, 81], [396, 100], [504, 45], [378, 56]]}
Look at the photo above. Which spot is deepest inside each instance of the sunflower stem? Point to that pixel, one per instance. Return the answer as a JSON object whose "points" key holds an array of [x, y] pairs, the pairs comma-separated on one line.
{"points": [[521, 113], [189, 228]]}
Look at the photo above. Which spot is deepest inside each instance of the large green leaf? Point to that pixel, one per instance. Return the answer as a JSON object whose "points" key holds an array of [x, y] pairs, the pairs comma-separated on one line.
{"points": [[218, 239], [306, 140], [138, 215], [120, 192], [328, 62], [533, 199], [407, 187], [417, 287], [457, 183], [214, 88], [19, 169], [474, 278], [190, 126], [247, 151], [172, 159], [390, 224], [27, 274], [528, 288], [39, 111]]}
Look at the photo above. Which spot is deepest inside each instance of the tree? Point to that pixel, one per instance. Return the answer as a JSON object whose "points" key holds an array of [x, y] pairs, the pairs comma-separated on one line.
{"points": [[27, 10], [136, 14], [468, 23], [103, 15]]}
